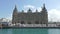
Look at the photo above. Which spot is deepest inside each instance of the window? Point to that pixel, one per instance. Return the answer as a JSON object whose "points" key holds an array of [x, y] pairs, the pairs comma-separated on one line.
{"points": [[41, 22], [29, 22], [22, 22], [36, 22]]}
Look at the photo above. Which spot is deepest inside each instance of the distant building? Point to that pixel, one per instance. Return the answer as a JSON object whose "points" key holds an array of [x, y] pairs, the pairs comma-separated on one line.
{"points": [[30, 17], [4, 22]]}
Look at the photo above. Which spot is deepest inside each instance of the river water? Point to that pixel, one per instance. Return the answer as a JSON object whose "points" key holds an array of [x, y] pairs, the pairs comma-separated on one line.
{"points": [[30, 31]]}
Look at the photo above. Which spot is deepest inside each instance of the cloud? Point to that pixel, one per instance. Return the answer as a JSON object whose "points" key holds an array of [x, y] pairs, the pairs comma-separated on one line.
{"points": [[39, 9], [29, 6], [9, 18], [33, 8], [54, 15], [26, 7]]}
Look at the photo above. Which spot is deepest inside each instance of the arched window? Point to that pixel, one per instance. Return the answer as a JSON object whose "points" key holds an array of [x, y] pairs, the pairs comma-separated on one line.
{"points": [[36, 22], [22, 22], [29, 22], [41, 22]]}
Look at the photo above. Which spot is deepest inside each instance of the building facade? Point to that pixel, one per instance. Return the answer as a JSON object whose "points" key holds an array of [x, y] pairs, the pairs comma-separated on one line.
{"points": [[30, 17]]}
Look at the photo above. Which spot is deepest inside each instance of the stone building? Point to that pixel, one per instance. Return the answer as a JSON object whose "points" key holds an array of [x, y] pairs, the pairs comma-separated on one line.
{"points": [[30, 17]]}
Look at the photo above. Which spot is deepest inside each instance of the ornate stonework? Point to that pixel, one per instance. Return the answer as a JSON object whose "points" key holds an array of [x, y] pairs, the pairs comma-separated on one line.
{"points": [[30, 17]]}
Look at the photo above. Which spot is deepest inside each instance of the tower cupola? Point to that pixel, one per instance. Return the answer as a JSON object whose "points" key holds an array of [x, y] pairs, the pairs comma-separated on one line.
{"points": [[36, 10], [29, 10], [44, 8], [15, 9]]}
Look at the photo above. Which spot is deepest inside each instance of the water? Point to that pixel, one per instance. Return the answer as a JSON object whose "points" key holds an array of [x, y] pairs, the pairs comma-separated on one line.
{"points": [[30, 31]]}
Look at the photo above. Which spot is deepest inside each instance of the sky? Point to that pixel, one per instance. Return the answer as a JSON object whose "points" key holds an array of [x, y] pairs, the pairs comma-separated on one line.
{"points": [[52, 6]]}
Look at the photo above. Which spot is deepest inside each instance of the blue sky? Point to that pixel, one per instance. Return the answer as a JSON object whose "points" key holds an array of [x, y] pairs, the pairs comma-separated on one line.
{"points": [[7, 6]]}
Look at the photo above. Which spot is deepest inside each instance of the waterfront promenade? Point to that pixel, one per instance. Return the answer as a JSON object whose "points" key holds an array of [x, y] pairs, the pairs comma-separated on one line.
{"points": [[51, 25], [35, 25]]}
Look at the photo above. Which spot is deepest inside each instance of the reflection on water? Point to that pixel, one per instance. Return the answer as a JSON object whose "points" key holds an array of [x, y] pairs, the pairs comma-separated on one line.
{"points": [[54, 31], [30, 31], [5, 31]]}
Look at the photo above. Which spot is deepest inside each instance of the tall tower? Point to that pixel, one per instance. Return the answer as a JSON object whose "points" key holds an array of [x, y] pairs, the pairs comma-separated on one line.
{"points": [[44, 15], [14, 17]]}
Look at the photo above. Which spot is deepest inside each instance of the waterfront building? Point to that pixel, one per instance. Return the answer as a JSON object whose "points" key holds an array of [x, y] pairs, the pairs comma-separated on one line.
{"points": [[30, 17]]}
